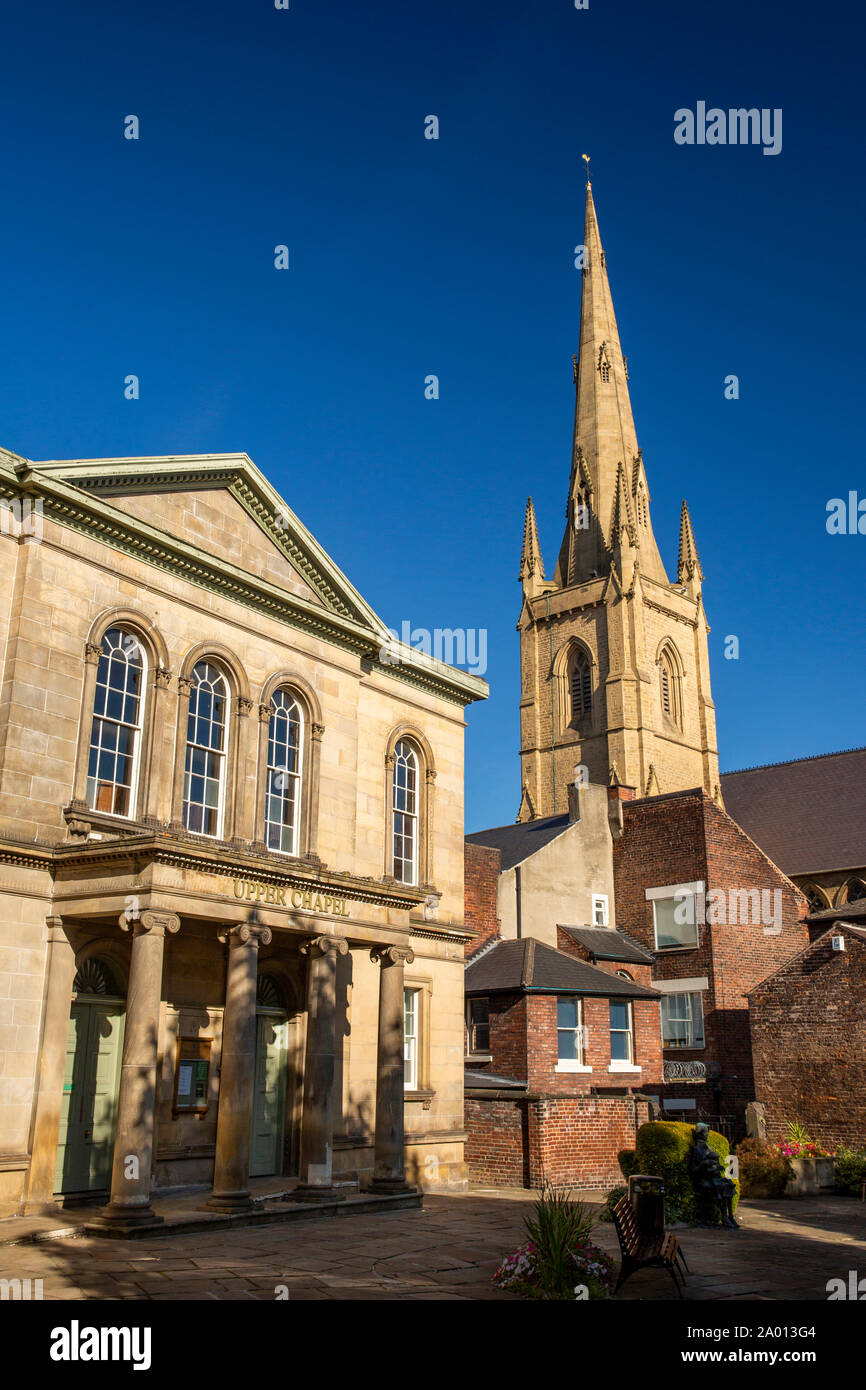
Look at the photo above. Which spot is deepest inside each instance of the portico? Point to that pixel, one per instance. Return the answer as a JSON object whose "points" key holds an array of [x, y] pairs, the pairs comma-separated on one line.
{"points": [[189, 960]]}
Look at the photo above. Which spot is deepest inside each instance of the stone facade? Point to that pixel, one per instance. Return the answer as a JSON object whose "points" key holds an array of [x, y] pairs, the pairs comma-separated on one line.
{"points": [[808, 1027], [613, 656], [199, 560]]}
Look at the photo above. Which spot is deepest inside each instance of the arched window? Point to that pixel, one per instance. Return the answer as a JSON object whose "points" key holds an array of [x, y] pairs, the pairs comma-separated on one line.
{"points": [[283, 797], [115, 734], [669, 687], [204, 782], [580, 684], [856, 890], [814, 897], [605, 371], [405, 812]]}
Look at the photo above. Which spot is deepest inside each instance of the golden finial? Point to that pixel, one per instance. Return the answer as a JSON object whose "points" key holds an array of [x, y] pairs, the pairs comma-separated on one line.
{"points": [[585, 158]]}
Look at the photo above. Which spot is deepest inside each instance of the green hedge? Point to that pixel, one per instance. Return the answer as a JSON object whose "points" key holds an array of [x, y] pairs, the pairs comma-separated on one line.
{"points": [[849, 1172], [662, 1148]]}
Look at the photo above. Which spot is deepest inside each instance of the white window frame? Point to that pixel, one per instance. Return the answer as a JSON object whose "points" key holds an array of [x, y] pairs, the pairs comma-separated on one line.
{"points": [[128, 639], [411, 1040], [297, 776], [695, 1011], [600, 902], [677, 893], [221, 752], [410, 758], [572, 1065], [617, 1064]]}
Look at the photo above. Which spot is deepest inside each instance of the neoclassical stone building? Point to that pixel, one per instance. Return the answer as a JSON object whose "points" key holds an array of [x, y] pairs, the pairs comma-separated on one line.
{"points": [[231, 839], [614, 663]]}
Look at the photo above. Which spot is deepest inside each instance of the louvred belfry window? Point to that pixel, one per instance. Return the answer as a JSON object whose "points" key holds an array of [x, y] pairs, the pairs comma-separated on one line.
{"points": [[115, 735], [581, 686]]}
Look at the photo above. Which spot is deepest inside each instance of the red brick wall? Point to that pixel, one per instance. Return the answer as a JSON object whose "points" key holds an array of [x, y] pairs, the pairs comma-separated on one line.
{"points": [[686, 838], [569, 1141], [542, 1047], [508, 1042], [480, 881], [809, 1044], [496, 1148]]}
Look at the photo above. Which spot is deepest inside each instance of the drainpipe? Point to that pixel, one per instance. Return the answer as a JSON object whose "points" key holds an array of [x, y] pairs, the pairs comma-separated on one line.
{"points": [[518, 902]]}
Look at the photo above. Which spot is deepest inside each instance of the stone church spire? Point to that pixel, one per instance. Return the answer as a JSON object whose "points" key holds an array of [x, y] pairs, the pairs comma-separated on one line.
{"points": [[531, 563], [689, 570], [604, 440]]}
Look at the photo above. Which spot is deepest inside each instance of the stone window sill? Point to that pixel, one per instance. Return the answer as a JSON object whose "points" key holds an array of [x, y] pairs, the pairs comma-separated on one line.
{"points": [[571, 1067], [617, 1067], [423, 1097], [478, 1057]]}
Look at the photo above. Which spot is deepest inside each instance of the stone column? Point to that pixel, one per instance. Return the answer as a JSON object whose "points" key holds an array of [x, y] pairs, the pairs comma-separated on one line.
{"points": [[136, 1101], [389, 1161], [231, 1177], [184, 691], [60, 976], [317, 1123]]}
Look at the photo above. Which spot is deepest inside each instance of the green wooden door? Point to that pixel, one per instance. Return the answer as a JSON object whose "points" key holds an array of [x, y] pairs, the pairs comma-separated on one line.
{"points": [[269, 1095], [90, 1081]]}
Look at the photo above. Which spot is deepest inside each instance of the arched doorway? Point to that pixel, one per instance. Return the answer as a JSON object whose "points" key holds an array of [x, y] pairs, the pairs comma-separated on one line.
{"points": [[269, 1091], [90, 1080]]}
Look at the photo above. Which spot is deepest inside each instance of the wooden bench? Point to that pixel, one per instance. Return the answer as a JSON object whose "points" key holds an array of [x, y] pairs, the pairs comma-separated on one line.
{"points": [[640, 1252]]}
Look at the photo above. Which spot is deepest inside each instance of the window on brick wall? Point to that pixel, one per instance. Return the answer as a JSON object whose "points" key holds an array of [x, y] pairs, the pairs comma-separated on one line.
{"points": [[682, 1020], [569, 1032], [621, 1033], [478, 1025], [675, 915]]}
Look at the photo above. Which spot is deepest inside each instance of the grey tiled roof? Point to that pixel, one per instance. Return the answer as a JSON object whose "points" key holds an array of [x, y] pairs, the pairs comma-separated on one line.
{"points": [[486, 1081], [605, 943], [806, 815], [527, 964], [517, 842]]}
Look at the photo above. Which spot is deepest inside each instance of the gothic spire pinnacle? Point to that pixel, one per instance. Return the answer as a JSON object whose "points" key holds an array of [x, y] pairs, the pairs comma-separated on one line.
{"points": [[689, 570], [531, 562]]}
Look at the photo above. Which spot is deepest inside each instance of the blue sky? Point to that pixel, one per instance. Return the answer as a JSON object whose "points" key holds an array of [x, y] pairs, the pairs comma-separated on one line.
{"points": [[410, 257]]}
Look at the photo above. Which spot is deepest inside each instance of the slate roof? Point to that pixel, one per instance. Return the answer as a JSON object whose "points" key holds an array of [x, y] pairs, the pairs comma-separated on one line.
{"points": [[848, 912], [517, 842], [605, 943], [531, 966], [486, 1081], [808, 815]]}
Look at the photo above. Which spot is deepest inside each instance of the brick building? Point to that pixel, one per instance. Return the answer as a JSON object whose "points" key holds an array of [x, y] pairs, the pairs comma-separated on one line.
{"points": [[719, 916], [808, 1027], [559, 1051]]}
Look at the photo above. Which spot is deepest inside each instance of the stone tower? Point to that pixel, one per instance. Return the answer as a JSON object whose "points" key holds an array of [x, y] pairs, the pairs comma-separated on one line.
{"points": [[614, 662]]}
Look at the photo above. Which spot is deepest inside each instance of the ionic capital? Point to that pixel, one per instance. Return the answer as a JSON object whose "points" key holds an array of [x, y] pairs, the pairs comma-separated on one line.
{"points": [[246, 934], [392, 955], [149, 921], [322, 945]]}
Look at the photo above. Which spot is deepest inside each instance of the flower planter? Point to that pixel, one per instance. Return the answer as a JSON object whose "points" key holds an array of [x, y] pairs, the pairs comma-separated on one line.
{"points": [[826, 1173], [805, 1180]]}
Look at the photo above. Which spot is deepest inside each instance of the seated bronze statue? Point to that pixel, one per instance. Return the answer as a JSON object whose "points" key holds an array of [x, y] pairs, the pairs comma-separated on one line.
{"points": [[714, 1190]]}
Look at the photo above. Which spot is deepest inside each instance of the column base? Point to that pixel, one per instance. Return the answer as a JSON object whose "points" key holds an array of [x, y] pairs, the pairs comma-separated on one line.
{"points": [[389, 1186], [229, 1201], [309, 1192], [117, 1217]]}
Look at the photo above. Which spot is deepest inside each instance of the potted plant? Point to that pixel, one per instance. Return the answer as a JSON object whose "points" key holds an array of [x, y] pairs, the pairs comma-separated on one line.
{"points": [[559, 1261]]}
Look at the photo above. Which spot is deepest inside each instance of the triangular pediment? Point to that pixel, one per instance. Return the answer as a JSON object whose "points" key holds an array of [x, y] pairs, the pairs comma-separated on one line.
{"points": [[225, 508]]}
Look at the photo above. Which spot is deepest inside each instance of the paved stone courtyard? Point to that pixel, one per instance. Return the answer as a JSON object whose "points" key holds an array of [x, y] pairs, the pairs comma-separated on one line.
{"points": [[449, 1250]]}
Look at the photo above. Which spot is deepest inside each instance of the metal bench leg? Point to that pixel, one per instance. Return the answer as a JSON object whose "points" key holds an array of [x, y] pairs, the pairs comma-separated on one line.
{"points": [[672, 1272]]}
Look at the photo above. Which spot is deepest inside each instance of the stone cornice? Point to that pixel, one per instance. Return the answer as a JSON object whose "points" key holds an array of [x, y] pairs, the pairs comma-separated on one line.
{"points": [[68, 492]]}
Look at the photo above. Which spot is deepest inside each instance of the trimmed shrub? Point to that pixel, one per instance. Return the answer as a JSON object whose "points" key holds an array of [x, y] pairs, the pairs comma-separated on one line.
{"points": [[610, 1201], [627, 1158], [662, 1149], [764, 1171], [850, 1171]]}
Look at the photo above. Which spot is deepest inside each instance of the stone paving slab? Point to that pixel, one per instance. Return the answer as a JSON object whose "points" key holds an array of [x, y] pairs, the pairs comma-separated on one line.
{"points": [[447, 1251]]}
